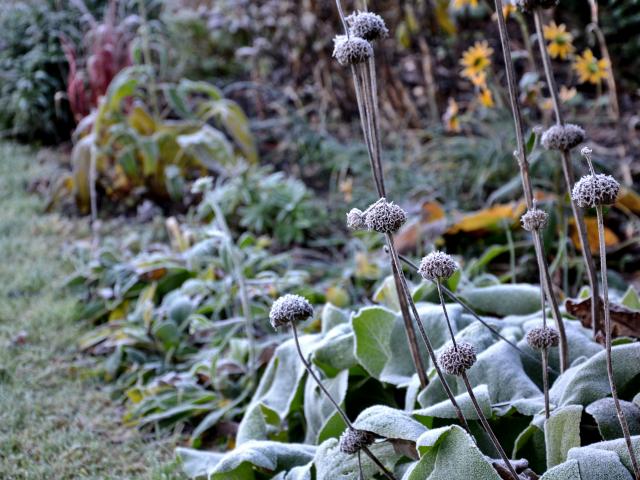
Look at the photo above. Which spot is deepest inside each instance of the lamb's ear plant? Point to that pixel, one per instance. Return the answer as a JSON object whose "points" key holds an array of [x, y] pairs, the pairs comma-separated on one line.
{"points": [[383, 217], [533, 215], [597, 191], [563, 138], [289, 310], [459, 357]]}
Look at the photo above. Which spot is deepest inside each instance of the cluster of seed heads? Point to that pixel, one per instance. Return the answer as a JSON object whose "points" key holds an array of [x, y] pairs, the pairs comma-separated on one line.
{"points": [[288, 309], [455, 360], [543, 337], [563, 137], [367, 25], [353, 440], [530, 5], [595, 190], [534, 220], [437, 266], [355, 219], [351, 50]]}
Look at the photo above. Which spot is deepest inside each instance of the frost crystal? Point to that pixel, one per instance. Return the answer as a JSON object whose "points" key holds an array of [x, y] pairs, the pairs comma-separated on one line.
{"points": [[437, 266], [351, 50], [289, 308], [457, 361], [591, 191]]}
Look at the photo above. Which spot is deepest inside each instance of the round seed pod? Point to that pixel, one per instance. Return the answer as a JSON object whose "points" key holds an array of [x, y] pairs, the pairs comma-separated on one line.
{"points": [[437, 266], [530, 5], [385, 217], [355, 219], [289, 308], [535, 219], [352, 440], [351, 50], [594, 190], [457, 361], [543, 337], [367, 25], [563, 137]]}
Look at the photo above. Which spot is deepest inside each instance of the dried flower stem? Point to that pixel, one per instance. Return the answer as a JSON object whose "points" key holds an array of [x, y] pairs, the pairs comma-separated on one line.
{"points": [[546, 285], [342, 413], [425, 338], [488, 429], [569, 179], [607, 325]]}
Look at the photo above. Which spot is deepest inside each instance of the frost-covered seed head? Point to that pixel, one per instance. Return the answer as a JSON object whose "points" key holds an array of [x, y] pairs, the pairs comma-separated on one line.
{"points": [[355, 219], [352, 440], [385, 217], [367, 25], [591, 191], [530, 5], [457, 361], [351, 50], [437, 266], [563, 137], [543, 337], [289, 308], [534, 220]]}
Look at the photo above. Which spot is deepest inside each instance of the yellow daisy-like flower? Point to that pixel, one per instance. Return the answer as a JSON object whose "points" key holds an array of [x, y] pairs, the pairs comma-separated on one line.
{"points": [[508, 9], [560, 45], [589, 68], [479, 80], [476, 59], [486, 98], [460, 4], [451, 118]]}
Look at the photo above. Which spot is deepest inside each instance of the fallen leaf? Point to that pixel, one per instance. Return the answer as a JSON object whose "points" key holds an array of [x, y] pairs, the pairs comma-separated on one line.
{"points": [[489, 219], [626, 322], [610, 238], [629, 199]]}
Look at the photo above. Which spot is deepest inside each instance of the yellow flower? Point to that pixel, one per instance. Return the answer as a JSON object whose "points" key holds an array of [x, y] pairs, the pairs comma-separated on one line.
{"points": [[486, 98], [508, 9], [589, 68], [560, 45], [460, 4], [479, 79], [450, 117], [476, 59]]}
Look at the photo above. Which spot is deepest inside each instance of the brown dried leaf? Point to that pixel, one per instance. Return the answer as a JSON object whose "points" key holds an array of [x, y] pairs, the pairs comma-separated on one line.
{"points": [[626, 322]]}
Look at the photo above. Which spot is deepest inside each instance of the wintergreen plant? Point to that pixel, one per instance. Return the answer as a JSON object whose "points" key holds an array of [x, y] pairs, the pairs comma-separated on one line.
{"points": [[289, 310], [597, 191]]}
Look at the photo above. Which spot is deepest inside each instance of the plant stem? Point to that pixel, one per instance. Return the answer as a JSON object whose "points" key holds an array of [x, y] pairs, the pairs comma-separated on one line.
{"points": [[487, 428], [545, 380], [523, 163], [607, 325], [317, 380], [335, 404], [568, 177], [425, 338], [446, 315]]}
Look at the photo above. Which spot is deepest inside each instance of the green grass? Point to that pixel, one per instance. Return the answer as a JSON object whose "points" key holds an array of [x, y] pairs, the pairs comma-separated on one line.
{"points": [[55, 421]]}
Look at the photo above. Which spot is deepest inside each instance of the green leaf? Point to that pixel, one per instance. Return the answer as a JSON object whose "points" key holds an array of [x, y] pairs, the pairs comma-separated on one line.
{"points": [[389, 423], [239, 463], [318, 409], [332, 464], [588, 381], [335, 352], [562, 432], [604, 413], [381, 345], [444, 409], [631, 299], [450, 453], [502, 300]]}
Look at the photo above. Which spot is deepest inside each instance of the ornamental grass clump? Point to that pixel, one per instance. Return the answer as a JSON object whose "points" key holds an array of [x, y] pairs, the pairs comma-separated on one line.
{"points": [[459, 357], [289, 310], [597, 191]]}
